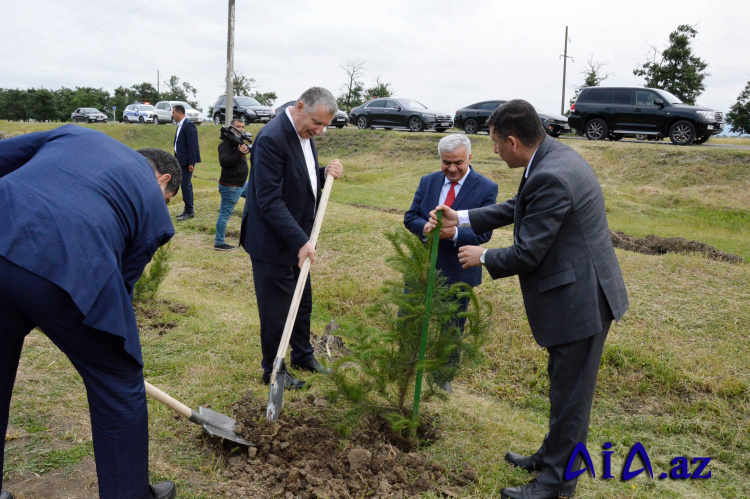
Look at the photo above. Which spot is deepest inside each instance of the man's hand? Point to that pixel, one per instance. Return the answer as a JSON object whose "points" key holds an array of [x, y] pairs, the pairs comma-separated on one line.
{"points": [[448, 232], [191, 168], [334, 169], [308, 250], [469, 256], [450, 218], [244, 149]]}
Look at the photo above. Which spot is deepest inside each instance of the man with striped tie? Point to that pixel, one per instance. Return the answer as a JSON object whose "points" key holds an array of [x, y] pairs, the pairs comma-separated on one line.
{"points": [[460, 187]]}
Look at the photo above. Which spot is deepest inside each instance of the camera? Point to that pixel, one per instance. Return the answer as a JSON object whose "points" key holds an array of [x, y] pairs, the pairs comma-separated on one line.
{"points": [[236, 137]]}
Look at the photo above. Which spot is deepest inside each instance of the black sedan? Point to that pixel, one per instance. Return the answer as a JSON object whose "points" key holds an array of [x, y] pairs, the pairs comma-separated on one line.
{"points": [[473, 118], [391, 113], [88, 115]]}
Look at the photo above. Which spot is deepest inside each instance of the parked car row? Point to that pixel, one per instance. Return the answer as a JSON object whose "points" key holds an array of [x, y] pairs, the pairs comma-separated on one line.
{"points": [[612, 113], [245, 109], [473, 118]]}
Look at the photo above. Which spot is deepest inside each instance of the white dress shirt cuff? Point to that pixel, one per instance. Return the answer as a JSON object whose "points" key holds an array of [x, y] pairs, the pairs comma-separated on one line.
{"points": [[463, 219]]}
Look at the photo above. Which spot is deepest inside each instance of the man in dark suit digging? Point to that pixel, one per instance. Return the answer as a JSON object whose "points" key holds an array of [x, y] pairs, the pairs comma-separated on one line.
{"points": [[569, 274]]}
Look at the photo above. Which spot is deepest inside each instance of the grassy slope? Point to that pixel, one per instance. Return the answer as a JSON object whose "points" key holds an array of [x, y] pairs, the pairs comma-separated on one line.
{"points": [[675, 370]]}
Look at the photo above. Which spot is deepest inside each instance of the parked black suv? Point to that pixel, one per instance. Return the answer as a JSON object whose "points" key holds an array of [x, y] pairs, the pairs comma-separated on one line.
{"points": [[612, 112], [246, 109]]}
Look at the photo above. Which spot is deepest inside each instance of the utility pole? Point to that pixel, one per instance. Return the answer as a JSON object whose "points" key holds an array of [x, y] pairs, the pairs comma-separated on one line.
{"points": [[229, 109], [565, 67]]}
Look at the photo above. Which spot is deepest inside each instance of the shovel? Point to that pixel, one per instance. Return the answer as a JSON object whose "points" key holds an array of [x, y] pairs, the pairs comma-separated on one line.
{"points": [[215, 424], [278, 376]]}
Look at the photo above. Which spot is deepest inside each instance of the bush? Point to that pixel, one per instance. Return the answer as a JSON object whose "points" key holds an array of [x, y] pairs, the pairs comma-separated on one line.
{"points": [[146, 287]]}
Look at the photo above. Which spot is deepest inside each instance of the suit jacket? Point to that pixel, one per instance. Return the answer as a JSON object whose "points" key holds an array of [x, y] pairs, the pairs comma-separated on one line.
{"points": [[83, 211], [562, 252], [280, 206], [476, 191], [187, 148]]}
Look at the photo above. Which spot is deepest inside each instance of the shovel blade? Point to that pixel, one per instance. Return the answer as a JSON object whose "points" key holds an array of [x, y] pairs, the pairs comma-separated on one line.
{"points": [[219, 425], [276, 397]]}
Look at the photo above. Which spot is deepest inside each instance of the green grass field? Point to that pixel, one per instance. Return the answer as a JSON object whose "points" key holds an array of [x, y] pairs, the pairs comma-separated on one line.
{"points": [[675, 374]]}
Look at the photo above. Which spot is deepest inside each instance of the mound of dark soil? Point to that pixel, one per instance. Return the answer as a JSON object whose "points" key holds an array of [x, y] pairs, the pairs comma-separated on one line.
{"points": [[302, 456], [655, 245]]}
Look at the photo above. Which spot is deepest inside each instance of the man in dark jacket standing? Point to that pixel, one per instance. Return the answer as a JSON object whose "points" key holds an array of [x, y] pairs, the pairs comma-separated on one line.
{"points": [[233, 161], [459, 186], [80, 216], [569, 274], [188, 154]]}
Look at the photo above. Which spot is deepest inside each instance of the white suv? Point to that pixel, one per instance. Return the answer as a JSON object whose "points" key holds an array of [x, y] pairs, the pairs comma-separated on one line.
{"points": [[163, 112]]}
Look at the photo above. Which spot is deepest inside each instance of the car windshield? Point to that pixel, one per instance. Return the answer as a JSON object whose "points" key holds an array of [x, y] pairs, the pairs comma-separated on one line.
{"points": [[89, 110], [146, 108], [669, 97], [412, 104], [246, 101], [187, 106]]}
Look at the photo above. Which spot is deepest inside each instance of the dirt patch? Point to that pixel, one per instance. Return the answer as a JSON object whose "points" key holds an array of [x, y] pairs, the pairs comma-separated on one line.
{"points": [[302, 456], [72, 482], [150, 315], [377, 208], [655, 245]]}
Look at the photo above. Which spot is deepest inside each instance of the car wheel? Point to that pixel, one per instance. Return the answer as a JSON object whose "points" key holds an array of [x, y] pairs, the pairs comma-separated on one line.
{"points": [[140, 119], [362, 123], [217, 119], [641, 136], [416, 124], [702, 140], [682, 133], [156, 120], [245, 120], [596, 129], [471, 127], [556, 135]]}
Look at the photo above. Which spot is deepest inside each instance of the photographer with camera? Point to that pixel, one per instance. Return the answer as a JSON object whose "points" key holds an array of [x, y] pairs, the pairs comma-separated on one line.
{"points": [[233, 150]]}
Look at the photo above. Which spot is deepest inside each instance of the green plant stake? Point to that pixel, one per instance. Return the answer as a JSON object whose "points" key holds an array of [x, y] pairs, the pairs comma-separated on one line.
{"points": [[426, 318]]}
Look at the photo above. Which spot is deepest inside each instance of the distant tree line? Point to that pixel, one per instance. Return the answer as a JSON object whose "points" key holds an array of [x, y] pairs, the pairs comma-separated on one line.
{"points": [[42, 104]]}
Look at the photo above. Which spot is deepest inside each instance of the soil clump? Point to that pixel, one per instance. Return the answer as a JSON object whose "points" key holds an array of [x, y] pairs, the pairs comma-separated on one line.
{"points": [[303, 456], [655, 245]]}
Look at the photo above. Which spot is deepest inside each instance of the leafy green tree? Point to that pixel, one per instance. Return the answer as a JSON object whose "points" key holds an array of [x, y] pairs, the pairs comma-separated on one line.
{"points": [[121, 98], [265, 98], [41, 105], [738, 116], [180, 91], [379, 89], [679, 71], [378, 375], [353, 91], [13, 104], [144, 92], [242, 85]]}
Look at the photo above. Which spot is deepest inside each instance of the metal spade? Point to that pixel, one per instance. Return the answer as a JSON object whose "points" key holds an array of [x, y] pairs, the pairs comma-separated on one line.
{"points": [[215, 424]]}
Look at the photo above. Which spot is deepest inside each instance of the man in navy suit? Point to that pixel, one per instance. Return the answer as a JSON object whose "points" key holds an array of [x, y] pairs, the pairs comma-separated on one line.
{"points": [[81, 215], [460, 186], [283, 192], [188, 154], [570, 279]]}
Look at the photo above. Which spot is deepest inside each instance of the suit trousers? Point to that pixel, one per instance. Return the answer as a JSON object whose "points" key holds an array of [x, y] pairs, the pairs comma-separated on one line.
{"points": [[274, 289], [187, 189], [573, 368], [113, 379]]}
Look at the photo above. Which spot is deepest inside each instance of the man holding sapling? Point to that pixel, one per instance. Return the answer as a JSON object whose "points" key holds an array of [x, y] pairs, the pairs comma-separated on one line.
{"points": [[459, 186], [569, 274]]}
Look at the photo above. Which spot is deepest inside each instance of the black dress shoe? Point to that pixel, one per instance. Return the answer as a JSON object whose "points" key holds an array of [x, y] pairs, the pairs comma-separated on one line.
{"points": [[164, 490], [6, 495], [184, 216], [313, 366], [290, 382], [523, 462], [532, 490]]}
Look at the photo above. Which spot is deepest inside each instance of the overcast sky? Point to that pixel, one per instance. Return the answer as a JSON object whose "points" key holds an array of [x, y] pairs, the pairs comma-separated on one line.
{"points": [[445, 54]]}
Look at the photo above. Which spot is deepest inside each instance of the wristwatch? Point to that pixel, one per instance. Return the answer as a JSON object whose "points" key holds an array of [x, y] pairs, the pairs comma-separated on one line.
{"points": [[481, 257]]}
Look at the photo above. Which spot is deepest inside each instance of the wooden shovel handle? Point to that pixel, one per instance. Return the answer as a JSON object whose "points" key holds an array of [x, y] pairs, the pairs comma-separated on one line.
{"points": [[297, 297], [165, 399]]}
